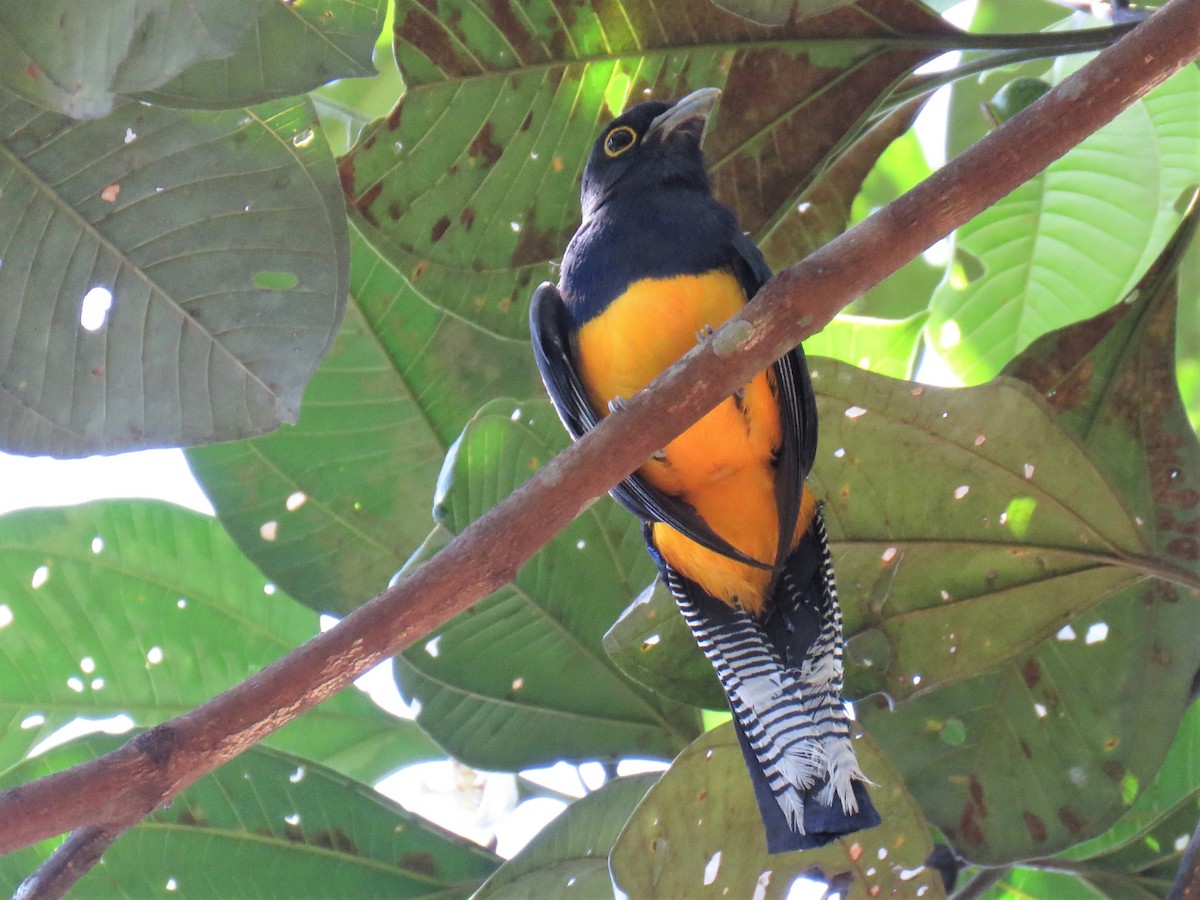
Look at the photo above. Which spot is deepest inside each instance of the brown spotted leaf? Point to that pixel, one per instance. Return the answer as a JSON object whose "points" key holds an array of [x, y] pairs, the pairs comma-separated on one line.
{"points": [[1023, 583], [470, 185], [699, 825]]}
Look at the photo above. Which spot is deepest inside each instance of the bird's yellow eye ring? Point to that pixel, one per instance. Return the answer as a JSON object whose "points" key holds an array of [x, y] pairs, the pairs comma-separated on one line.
{"points": [[619, 140]]}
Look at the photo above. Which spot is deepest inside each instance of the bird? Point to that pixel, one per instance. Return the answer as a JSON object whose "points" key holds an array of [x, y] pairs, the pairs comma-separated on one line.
{"points": [[655, 266]]}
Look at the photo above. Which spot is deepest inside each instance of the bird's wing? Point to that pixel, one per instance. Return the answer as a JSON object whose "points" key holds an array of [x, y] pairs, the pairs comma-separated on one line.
{"points": [[797, 406], [549, 324]]}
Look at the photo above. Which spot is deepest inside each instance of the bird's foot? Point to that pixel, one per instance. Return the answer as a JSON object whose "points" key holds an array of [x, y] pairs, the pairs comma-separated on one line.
{"points": [[616, 404]]}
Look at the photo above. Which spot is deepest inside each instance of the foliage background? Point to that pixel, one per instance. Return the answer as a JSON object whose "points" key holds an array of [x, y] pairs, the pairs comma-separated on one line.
{"points": [[1019, 593]]}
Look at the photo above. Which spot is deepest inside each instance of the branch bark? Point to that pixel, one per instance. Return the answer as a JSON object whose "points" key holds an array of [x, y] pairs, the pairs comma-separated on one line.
{"points": [[115, 791]]}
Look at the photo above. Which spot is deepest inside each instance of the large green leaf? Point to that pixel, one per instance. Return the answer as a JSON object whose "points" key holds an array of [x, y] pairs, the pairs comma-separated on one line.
{"points": [[147, 609], [470, 185], [331, 508], [572, 851], [293, 47], [699, 825], [652, 644], [522, 678], [1073, 240], [222, 241], [266, 824], [1075, 643], [75, 57]]}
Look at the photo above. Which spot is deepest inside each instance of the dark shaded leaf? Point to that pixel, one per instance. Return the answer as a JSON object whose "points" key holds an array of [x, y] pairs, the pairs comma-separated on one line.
{"points": [[777, 12], [652, 644], [292, 48], [176, 214], [74, 58], [699, 825], [1064, 611], [349, 489], [522, 678]]}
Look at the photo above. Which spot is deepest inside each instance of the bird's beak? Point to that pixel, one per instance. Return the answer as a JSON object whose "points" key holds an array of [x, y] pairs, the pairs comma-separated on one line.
{"points": [[689, 115]]}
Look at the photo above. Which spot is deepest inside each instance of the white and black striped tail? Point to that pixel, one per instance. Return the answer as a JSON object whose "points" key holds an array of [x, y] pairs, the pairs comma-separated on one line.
{"points": [[783, 679]]}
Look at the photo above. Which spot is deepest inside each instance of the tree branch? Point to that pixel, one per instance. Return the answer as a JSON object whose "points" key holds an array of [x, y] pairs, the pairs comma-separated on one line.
{"points": [[117, 790]]}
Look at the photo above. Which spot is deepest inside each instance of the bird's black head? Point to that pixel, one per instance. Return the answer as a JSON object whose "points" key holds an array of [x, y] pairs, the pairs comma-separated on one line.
{"points": [[653, 145]]}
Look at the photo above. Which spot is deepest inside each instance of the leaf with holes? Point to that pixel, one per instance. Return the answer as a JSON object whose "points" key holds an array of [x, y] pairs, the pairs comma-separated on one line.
{"points": [[700, 825], [144, 609], [331, 508], [76, 57], [470, 185], [266, 824], [292, 48], [1099, 216], [168, 277], [572, 851], [522, 679], [1019, 616]]}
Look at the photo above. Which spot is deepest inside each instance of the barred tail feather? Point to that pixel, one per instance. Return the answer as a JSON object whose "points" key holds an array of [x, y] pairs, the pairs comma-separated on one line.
{"points": [[783, 679]]}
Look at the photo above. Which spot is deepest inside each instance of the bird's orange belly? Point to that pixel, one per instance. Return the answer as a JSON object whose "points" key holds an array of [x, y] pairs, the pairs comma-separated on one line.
{"points": [[723, 466]]}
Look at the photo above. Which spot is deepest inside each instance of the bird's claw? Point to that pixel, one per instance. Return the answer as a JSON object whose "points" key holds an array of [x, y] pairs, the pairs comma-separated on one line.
{"points": [[705, 332], [616, 404]]}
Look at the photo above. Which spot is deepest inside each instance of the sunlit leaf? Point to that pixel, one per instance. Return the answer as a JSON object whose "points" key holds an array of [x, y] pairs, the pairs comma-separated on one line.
{"points": [[699, 825], [1073, 240], [521, 678], [470, 184], [173, 215], [271, 824]]}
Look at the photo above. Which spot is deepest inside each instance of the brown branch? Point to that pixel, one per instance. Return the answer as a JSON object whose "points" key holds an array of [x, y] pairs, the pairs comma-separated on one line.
{"points": [[120, 788]]}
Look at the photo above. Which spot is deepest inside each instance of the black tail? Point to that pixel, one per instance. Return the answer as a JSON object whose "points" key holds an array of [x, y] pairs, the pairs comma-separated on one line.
{"points": [[783, 679]]}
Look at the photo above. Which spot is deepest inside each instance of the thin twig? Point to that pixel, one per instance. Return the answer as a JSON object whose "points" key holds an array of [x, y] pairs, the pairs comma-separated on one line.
{"points": [[66, 865], [118, 789], [1187, 879]]}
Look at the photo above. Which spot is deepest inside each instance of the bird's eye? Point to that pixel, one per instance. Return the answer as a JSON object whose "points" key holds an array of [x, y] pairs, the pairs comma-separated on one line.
{"points": [[619, 140]]}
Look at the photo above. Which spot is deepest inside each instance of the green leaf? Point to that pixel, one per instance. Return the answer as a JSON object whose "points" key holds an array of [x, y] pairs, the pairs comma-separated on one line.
{"points": [[1025, 655], [521, 678], [652, 644], [572, 851], [1073, 240], [470, 185], [75, 57], [349, 489], [699, 825], [267, 824], [292, 48], [175, 214], [886, 346], [147, 609]]}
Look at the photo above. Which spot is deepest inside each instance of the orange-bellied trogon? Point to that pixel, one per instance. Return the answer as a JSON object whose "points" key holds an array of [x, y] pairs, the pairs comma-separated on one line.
{"points": [[737, 534]]}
